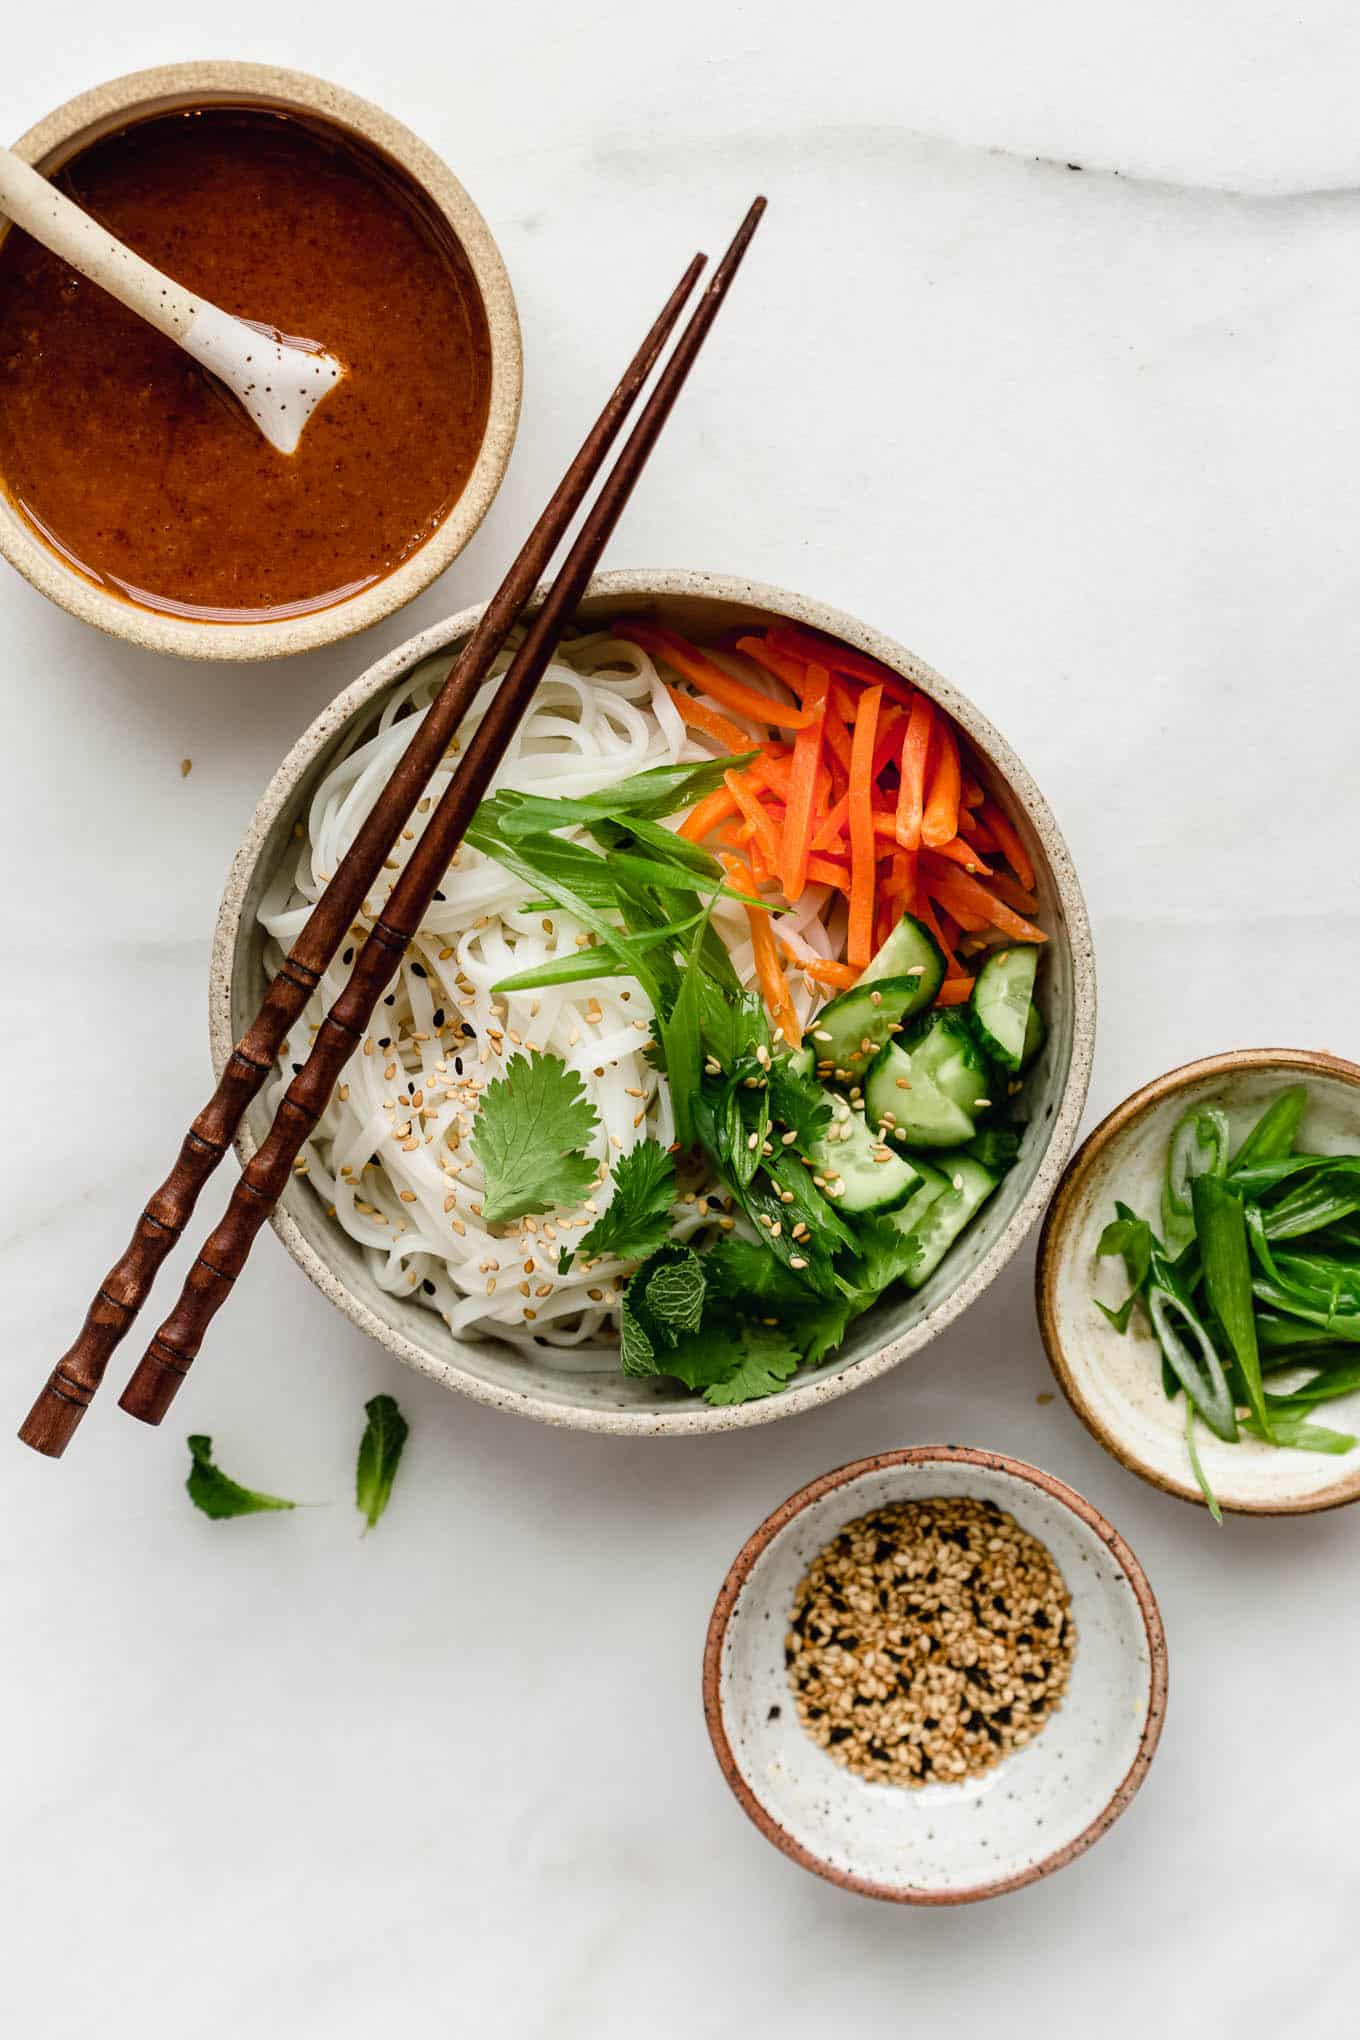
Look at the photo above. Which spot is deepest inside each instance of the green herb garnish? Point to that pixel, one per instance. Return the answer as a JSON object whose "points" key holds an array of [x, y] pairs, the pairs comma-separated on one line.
{"points": [[638, 1217], [216, 1494], [380, 1451], [532, 1125]]}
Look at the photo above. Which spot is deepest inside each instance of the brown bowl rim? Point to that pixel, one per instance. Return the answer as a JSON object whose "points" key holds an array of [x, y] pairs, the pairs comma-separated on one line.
{"points": [[924, 1455], [1058, 1217], [104, 107]]}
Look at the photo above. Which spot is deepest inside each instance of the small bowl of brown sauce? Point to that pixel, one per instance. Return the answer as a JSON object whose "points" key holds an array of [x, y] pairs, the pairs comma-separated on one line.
{"points": [[134, 490]]}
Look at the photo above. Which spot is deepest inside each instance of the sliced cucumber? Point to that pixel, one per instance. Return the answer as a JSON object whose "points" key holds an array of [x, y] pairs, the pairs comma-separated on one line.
{"points": [[909, 951], [802, 1062], [911, 1105], [1003, 999], [933, 1185], [926, 1244], [947, 1051], [900, 981], [1036, 1034], [861, 1175]]}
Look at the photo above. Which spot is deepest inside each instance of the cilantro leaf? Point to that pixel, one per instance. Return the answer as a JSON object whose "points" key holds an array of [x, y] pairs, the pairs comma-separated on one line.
{"points": [[531, 1128], [216, 1494], [380, 1451], [639, 1213], [767, 1360]]}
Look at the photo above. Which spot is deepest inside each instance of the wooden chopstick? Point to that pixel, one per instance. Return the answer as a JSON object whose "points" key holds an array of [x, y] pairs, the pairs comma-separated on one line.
{"points": [[71, 1386], [172, 1351]]}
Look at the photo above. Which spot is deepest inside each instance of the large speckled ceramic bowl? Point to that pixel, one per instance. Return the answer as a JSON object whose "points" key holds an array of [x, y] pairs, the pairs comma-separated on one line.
{"points": [[704, 605], [1114, 1383], [939, 1844], [108, 107]]}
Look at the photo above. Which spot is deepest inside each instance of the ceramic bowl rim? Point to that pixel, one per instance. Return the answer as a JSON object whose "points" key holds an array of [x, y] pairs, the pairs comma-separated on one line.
{"points": [[103, 108], [1053, 1237], [621, 587], [740, 1570]]}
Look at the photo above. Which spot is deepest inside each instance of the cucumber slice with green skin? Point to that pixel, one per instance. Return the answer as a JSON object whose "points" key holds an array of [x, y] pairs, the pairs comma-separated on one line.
{"points": [[909, 951], [925, 1246], [862, 1176], [933, 1185], [803, 1062], [900, 981], [1002, 1001], [1036, 1034], [911, 1104], [947, 1051]]}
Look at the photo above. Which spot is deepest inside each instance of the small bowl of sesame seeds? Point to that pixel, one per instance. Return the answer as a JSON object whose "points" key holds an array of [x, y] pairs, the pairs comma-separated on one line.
{"points": [[935, 1675]]}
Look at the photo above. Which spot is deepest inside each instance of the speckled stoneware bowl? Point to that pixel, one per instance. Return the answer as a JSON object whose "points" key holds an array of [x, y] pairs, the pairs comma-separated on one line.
{"points": [[109, 107], [1114, 1383], [704, 605], [939, 1844]]}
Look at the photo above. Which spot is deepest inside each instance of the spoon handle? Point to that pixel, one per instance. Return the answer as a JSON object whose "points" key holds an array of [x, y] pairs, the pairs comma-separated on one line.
{"points": [[46, 213]]}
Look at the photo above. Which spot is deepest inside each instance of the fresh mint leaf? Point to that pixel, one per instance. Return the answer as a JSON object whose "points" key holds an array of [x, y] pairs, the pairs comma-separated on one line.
{"points": [[639, 1214], [767, 1360], [216, 1494], [637, 1355], [672, 1292], [531, 1128], [380, 1451]]}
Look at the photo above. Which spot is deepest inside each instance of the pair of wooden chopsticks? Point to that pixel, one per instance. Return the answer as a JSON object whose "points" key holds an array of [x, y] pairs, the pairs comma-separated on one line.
{"points": [[52, 1421]]}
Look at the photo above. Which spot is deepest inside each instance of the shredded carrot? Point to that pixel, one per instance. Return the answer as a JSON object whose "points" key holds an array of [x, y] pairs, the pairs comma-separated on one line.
{"points": [[832, 830], [901, 884], [959, 851], [1009, 844], [764, 871], [940, 822], [963, 895], [821, 970], [769, 775], [688, 660], [911, 796], [973, 795], [799, 644], [825, 871], [757, 815], [977, 832], [706, 814], [700, 717], [1013, 893], [807, 758], [859, 941], [790, 671], [774, 985], [837, 736], [955, 991], [925, 912]]}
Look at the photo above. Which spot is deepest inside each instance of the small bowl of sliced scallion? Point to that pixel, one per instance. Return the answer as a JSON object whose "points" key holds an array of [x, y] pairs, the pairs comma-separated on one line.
{"points": [[1199, 1282]]}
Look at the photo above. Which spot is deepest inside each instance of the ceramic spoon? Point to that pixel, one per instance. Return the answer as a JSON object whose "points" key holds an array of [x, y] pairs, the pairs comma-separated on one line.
{"points": [[278, 378]]}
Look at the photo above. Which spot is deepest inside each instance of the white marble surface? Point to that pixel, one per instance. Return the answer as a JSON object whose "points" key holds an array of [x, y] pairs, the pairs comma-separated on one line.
{"points": [[1088, 441]]}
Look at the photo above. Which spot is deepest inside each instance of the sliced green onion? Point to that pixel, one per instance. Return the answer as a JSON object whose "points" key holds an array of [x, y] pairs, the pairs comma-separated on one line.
{"points": [[1220, 1227], [1272, 1137], [1198, 1147], [1201, 1477], [1201, 1377]]}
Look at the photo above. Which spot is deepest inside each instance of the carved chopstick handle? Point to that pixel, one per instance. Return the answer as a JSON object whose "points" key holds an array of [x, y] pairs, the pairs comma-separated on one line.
{"points": [[70, 1387]]}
